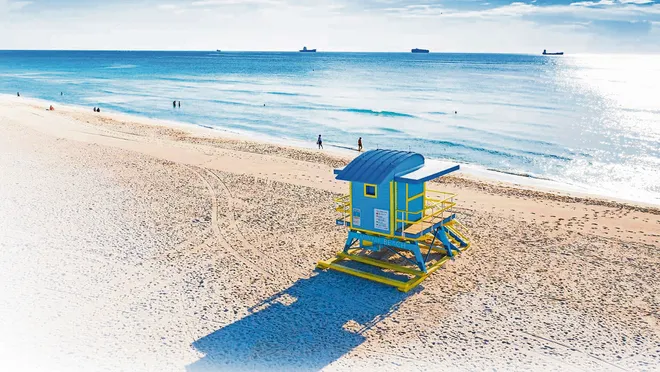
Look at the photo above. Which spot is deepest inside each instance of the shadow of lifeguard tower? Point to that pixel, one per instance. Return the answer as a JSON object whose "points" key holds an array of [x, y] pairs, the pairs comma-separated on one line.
{"points": [[304, 328]]}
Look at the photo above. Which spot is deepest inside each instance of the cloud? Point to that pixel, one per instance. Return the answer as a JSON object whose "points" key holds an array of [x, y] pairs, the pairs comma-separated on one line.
{"points": [[594, 4], [9, 5], [217, 3], [234, 2], [622, 29], [18, 5], [608, 24], [197, 5], [175, 9], [339, 25], [604, 9]]}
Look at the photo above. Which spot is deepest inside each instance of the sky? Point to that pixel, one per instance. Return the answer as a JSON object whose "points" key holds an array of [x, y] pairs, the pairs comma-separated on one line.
{"points": [[525, 26]]}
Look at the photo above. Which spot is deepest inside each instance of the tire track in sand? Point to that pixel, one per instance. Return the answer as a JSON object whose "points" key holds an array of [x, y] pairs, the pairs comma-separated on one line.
{"points": [[220, 238], [230, 200], [237, 231]]}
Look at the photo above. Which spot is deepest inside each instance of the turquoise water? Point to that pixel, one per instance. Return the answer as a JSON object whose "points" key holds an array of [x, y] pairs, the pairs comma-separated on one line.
{"points": [[588, 121]]}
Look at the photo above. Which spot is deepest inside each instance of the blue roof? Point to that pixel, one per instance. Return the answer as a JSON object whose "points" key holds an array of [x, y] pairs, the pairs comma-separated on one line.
{"points": [[376, 166]]}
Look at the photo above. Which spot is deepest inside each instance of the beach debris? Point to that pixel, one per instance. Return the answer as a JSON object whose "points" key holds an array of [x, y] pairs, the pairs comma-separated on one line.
{"points": [[205, 219], [394, 222]]}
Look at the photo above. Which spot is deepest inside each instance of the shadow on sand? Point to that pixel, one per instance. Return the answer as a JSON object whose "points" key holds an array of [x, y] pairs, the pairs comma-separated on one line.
{"points": [[304, 328]]}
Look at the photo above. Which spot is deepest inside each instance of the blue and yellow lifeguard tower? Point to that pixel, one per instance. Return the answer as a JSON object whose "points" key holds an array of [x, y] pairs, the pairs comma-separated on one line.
{"points": [[397, 227]]}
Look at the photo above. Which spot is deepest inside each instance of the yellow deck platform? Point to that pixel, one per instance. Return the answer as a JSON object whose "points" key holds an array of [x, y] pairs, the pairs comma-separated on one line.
{"points": [[416, 276], [419, 227]]}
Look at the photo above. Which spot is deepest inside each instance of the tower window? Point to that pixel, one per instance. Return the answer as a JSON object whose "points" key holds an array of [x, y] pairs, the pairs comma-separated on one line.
{"points": [[370, 191]]}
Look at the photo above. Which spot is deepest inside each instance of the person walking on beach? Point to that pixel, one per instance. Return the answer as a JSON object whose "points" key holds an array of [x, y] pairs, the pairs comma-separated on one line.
{"points": [[18, 94], [360, 144], [319, 142]]}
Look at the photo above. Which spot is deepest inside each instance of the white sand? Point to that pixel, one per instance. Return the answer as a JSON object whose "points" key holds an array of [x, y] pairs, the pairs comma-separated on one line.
{"points": [[134, 246]]}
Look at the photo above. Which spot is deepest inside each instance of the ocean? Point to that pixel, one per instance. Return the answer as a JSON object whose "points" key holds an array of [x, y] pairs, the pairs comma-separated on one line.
{"points": [[590, 122]]}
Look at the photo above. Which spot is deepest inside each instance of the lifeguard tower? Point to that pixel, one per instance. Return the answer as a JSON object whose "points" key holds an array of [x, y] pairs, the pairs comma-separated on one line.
{"points": [[399, 232]]}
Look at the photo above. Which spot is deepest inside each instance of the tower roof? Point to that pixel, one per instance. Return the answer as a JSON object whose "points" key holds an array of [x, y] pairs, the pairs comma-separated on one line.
{"points": [[376, 166]]}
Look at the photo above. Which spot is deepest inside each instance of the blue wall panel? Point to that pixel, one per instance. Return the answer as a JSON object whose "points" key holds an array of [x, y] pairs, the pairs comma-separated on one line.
{"points": [[366, 207]]}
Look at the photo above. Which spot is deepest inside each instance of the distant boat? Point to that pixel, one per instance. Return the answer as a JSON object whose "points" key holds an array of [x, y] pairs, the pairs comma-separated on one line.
{"points": [[545, 53], [305, 50], [417, 50], [218, 50]]}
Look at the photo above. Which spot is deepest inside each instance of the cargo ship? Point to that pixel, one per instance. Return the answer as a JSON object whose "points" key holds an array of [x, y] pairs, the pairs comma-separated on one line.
{"points": [[417, 50], [305, 50], [545, 53]]}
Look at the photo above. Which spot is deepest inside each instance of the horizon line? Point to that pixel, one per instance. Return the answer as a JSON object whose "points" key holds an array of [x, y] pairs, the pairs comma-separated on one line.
{"points": [[408, 51], [539, 53]]}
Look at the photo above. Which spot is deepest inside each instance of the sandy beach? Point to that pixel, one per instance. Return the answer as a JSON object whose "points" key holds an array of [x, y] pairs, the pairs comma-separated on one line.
{"points": [[128, 244]]}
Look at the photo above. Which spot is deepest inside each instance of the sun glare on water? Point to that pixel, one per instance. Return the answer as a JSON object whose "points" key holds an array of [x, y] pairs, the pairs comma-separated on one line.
{"points": [[621, 132]]}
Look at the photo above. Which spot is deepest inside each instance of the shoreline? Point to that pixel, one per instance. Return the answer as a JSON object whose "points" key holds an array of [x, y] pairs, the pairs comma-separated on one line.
{"points": [[473, 172]]}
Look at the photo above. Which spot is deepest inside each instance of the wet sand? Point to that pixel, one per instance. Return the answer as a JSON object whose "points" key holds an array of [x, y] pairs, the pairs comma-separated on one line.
{"points": [[126, 244]]}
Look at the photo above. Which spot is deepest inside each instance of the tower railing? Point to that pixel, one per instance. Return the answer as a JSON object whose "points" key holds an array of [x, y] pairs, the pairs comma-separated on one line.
{"points": [[438, 205], [343, 207]]}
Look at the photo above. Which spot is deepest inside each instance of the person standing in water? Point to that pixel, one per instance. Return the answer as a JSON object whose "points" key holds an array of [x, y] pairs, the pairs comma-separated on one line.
{"points": [[174, 104], [18, 94], [179, 103], [319, 142], [359, 144]]}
